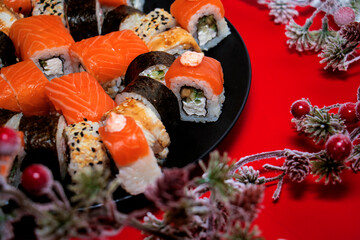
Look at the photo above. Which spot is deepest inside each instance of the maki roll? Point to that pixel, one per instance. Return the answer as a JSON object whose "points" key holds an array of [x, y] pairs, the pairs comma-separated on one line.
{"points": [[151, 64], [7, 51], [154, 130], [204, 19], [107, 57], [84, 146], [84, 18], [49, 7], [79, 96], [197, 82], [131, 153], [175, 41], [25, 89], [156, 96], [120, 18], [45, 40], [44, 143], [154, 23]]}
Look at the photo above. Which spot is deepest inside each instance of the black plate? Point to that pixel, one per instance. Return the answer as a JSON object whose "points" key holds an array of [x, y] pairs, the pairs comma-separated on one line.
{"points": [[193, 141]]}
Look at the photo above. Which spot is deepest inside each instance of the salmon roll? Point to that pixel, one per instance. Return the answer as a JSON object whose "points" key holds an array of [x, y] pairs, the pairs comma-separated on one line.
{"points": [[154, 130], [121, 18], [174, 41], [19, 6], [204, 19], [107, 57], [131, 153], [152, 64], [45, 40], [28, 85], [154, 23], [79, 96], [197, 82]]}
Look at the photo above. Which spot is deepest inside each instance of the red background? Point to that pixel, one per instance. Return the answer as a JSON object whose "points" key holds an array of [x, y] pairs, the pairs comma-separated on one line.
{"points": [[306, 210]]}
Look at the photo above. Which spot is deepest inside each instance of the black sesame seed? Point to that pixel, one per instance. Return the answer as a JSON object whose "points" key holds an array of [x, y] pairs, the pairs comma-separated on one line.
{"points": [[84, 129], [85, 119], [91, 164], [101, 141], [76, 133], [78, 141], [97, 132], [73, 144], [82, 134], [99, 162], [83, 124], [78, 149], [93, 149]]}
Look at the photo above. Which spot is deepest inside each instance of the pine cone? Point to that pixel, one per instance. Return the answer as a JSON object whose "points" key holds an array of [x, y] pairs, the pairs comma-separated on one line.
{"points": [[351, 32], [297, 167], [169, 188]]}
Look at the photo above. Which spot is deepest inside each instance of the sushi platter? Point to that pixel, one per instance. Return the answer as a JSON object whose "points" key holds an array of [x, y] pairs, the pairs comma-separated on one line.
{"points": [[61, 76]]}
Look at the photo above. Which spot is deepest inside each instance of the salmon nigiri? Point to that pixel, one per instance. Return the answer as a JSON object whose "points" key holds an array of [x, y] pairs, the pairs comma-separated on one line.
{"points": [[197, 82], [131, 152], [28, 84], [107, 57], [78, 96]]}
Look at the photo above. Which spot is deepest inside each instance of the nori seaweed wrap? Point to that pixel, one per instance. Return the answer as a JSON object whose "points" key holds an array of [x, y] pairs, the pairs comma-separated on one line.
{"points": [[83, 18], [7, 51], [158, 95], [152, 64], [43, 139], [115, 17]]}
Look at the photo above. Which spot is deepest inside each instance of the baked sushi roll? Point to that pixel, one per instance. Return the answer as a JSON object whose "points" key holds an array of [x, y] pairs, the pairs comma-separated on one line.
{"points": [[84, 18], [130, 151], [154, 130], [197, 82], [174, 41], [49, 7], [154, 23], [7, 51], [121, 18], [44, 143], [45, 40], [107, 57], [85, 147], [204, 19], [156, 96], [151, 64]]}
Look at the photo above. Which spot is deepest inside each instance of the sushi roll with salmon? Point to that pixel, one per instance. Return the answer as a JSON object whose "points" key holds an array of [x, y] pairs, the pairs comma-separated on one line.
{"points": [[121, 18], [174, 41], [152, 64], [204, 19], [154, 130], [155, 22], [19, 6], [131, 153], [79, 97], [197, 82], [7, 18], [107, 57], [45, 40], [24, 89]]}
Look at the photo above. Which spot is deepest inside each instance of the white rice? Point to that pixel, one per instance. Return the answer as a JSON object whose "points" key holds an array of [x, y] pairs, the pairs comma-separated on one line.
{"points": [[222, 27], [213, 102], [61, 146], [131, 22]]}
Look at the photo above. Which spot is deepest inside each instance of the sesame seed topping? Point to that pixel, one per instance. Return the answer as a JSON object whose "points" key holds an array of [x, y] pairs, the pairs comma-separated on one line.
{"points": [[78, 149], [93, 149]]}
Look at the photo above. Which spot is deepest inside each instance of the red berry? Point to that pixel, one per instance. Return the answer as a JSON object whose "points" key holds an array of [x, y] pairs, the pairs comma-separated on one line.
{"points": [[344, 15], [300, 108], [347, 112], [36, 179], [338, 147], [9, 141]]}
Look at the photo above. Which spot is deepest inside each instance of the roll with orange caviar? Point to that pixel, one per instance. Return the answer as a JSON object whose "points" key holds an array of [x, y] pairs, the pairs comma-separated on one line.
{"points": [[197, 81]]}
